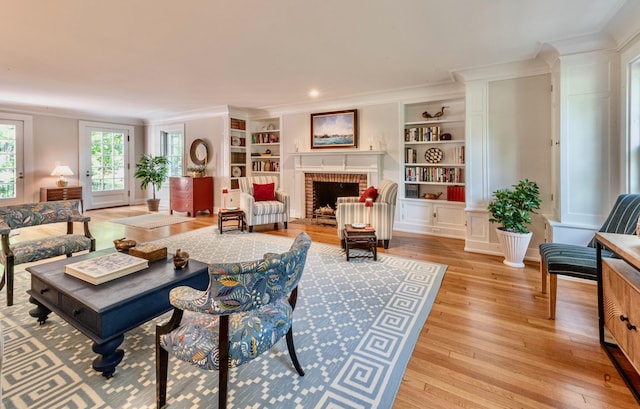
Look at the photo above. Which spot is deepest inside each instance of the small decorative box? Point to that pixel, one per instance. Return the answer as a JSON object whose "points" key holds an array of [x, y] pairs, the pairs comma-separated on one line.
{"points": [[151, 252]]}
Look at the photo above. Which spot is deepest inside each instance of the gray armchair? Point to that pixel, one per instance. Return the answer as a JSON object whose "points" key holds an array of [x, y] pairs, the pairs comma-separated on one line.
{"points": [[383, 212]]}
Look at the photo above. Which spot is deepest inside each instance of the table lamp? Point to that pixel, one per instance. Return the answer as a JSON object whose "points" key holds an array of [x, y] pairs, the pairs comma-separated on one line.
{"points": [[224, 197], [62, 170], [368, 203]]}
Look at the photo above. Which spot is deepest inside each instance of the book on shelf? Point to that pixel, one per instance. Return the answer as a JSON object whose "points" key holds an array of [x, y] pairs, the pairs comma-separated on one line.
{"points": [[105, 268], [424, 134], [455, 193]]}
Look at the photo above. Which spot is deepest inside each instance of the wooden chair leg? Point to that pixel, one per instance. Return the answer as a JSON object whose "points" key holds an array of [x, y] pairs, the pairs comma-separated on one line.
{"points": [[162, 357], [9, 271], [292, 352], [543, 273], [223, 364], [553, 290]]}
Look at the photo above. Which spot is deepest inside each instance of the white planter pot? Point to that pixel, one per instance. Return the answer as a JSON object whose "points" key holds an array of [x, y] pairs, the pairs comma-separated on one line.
{"points": [[514, 247]]}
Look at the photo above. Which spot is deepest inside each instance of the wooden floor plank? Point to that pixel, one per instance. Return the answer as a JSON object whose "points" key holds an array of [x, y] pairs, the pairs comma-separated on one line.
{"points": [[488, 342]]}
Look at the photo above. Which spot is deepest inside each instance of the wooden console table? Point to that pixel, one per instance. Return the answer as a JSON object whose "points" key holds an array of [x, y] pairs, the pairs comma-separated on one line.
{"points": [[619, 304], [53, 193]]}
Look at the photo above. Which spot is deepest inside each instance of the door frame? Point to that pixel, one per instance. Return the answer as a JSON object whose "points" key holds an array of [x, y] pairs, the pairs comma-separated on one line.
{"points": [[29, 192], [84, 161]]}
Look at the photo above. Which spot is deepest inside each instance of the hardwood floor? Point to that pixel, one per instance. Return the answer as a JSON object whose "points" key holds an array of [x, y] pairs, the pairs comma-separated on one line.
{"points": [[487, 342]]}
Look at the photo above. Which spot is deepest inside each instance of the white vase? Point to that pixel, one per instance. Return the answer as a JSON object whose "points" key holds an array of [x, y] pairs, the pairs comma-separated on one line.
{"points": [[514, 247]]}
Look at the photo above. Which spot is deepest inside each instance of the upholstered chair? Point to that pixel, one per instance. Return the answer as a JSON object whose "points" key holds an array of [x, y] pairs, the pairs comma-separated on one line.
{"points": [[26, 251], [246, 309], [351, 210], [580, 261], [263, 204]]}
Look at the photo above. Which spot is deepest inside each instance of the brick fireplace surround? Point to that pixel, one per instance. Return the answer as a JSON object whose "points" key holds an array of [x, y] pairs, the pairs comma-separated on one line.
{"points": [[347, 166], [309, 178]]}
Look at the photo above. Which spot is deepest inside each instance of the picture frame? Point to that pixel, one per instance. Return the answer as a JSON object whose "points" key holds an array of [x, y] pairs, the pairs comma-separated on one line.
{"points": [[338, 129]]}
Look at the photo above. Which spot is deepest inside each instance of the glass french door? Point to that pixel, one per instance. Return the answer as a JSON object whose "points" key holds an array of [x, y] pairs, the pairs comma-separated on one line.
{"points": [[11, 162], [105, 164]]}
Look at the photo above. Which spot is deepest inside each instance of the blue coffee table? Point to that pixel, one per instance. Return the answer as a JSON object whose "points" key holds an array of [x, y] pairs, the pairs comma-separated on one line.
{"points": [[105, 312]]}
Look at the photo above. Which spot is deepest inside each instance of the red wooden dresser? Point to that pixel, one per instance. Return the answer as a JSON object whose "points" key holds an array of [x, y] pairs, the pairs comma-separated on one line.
{"points": [[191, 195]]}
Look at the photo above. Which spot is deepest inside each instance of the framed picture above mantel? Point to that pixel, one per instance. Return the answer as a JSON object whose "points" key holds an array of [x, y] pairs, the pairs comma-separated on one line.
{"points": [[338, 129]]}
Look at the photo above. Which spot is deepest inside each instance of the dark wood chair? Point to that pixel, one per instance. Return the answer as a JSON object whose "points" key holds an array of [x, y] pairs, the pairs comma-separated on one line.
{"points": [[580, 261]]}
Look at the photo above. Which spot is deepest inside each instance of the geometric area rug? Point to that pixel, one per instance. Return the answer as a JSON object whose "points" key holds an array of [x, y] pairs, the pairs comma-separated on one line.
{"points": [[355, 326], [153, 220]]}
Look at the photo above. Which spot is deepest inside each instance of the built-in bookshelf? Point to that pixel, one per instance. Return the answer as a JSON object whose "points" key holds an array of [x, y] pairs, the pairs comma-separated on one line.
{"points": [[432, 195], [237, 151], [265, 146], [434, 153]]}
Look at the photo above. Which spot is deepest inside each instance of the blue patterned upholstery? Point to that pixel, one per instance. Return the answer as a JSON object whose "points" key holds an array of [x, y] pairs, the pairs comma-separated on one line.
{"points": [[383, 212], [36, 214], [580, 261], [264, 212], [254, 299]]}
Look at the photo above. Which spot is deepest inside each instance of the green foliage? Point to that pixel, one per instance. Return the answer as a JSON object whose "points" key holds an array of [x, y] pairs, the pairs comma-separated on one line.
{"points": [[152, 170], [513, 207], [197, 169]]}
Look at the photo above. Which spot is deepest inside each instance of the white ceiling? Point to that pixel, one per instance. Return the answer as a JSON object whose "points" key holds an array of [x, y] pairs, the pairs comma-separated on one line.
{"points": [[149, 59]]}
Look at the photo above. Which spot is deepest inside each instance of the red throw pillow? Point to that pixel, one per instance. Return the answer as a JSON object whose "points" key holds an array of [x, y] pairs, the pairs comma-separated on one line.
{"points": [[264, 192], [371, 192]]}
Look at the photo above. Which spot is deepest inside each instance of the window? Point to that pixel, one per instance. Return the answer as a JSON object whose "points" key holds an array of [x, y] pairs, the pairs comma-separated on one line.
{"points": [[107, 161], [8, 171], [173, 148]]}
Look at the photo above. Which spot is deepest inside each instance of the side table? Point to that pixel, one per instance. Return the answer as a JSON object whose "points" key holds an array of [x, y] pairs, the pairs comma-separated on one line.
{"points": [[365, 236], [228, 214], [50, 194]]}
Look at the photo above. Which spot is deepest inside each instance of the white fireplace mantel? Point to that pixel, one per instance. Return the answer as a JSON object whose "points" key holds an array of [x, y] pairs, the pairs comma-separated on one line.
{"points": [[346, 161], [333, 161]]}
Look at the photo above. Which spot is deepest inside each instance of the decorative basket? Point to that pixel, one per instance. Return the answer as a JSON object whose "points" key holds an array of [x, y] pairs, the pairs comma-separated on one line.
{"points": [[151, 252]]}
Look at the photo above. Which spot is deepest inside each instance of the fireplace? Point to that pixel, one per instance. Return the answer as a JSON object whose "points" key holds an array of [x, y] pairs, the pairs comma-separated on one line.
{"points": [[323, 189], [340, 166]]}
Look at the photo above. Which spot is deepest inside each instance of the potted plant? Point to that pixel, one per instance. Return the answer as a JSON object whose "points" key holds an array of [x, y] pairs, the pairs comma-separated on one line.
{"points": [[196, 171], [152, 170], [512, 208]]}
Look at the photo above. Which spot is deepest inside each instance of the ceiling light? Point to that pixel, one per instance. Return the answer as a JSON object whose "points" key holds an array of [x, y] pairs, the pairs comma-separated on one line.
{"points": [[314, 93]]}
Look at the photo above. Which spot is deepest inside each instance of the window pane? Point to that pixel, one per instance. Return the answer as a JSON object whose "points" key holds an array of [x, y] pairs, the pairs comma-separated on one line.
{"points": [[7, 161], [107, 164], [174, 150]]}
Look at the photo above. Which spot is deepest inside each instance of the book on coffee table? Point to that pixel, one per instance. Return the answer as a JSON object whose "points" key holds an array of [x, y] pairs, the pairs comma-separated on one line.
{"points": [[105, 268]]}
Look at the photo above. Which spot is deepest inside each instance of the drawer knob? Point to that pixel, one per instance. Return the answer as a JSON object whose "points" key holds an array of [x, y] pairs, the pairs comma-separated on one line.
{"points": [[76, 312], [631, 327], [623, 318], [44, 290]]}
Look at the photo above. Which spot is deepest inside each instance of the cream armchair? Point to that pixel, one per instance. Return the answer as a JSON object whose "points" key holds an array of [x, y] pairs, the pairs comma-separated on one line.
{"points": [[263, 211], [351, 211]]}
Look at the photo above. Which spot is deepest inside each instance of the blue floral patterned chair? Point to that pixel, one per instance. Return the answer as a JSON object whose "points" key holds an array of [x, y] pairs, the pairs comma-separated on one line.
{"points": [[36, 214], [246, 309]]}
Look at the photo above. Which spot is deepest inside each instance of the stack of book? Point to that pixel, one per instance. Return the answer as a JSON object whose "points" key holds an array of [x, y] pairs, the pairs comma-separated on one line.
{"points": [[105, 268]]}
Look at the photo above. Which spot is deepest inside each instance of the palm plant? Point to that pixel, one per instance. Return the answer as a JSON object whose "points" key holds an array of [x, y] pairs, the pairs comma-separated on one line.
{"points": [[152, 170]]}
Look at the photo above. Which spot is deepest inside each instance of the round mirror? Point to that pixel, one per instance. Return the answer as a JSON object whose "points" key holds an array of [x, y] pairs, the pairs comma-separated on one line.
{"points": [[199, 152]]}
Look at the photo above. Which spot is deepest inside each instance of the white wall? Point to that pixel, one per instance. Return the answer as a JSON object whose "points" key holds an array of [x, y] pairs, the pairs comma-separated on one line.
{"points": [[378, 125], [56, 139], [519, 139]]}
